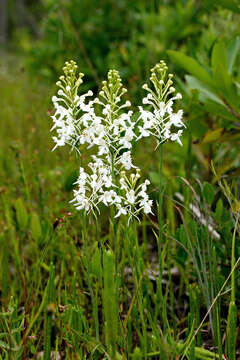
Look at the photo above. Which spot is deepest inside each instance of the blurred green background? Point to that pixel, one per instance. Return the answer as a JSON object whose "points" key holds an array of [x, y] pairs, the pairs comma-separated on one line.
{"points": [[200, 42]]}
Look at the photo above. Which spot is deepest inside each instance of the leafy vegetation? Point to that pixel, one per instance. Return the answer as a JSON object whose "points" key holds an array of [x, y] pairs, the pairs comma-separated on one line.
{"points": [[73, 286]]}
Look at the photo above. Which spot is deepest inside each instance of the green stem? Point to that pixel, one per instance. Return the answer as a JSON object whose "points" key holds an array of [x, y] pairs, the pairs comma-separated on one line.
{"points": [[233, 261], [48, 316], [232, 312], [160, 195], [138, 271], [160, 234], [114, 220], [110, 304], [89, 279]]}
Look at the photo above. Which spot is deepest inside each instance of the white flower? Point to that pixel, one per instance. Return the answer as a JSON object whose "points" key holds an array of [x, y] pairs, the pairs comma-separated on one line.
{"points": [[131, 196], [145, 115], [107, 197], [176, 137], [146, 205], [162, 108], [176, 119], [121, 211], [143, 132], [126, 160]]}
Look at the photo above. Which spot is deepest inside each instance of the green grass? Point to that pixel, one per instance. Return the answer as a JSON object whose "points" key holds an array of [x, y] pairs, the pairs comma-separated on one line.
{"points": [[76, 288]]}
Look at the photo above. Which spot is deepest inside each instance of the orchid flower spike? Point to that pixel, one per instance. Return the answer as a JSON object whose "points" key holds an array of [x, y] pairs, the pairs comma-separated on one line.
{"points": [[70, 108], [159, 119]]}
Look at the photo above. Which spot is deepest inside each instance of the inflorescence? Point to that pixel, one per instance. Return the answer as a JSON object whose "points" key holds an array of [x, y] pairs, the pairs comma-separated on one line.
{"points": [[161, 121], [106, 124]]}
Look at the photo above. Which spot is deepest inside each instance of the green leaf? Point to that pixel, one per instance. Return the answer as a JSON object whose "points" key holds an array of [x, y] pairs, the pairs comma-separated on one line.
{"points": [[219, 210], [219, 57], [232, 52], [212, 135], [231, 331], [219, 69], [191, 66], [182, 235], [35, 227], [223, 81], [219, 110], [21, 214], [208, 193], [95, 264], [110, 304], [205, 92]]}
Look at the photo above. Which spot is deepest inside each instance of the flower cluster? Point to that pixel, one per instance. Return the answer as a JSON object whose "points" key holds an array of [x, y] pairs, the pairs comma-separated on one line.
{"points": [[161, 121], [129, 197], [106, 124], [70, 109], [114, 141]]}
